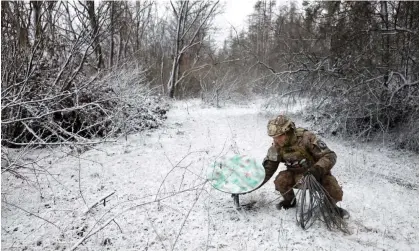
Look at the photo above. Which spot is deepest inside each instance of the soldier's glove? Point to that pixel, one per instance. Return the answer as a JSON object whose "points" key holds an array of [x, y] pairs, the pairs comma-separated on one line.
{"points": [[316, 172]]}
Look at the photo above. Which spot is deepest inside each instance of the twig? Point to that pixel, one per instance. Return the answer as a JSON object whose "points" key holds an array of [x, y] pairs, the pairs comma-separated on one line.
{"points": [[81, 193], [183, 175], [88, 236], [99, 200], [187, 216], [37, 216], [173, 168], [155, 231], [118, 226]]}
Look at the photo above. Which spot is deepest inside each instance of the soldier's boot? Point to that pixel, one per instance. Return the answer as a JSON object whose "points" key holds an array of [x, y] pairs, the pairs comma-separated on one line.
{"points": [[286, 204], [332, 187], [344, 214]]}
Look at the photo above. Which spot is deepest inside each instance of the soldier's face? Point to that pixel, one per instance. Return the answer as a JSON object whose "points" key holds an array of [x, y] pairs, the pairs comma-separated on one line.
{"points": [[280, 140]]}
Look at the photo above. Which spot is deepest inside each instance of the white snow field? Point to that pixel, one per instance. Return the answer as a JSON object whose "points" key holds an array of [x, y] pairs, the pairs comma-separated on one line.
{"points": [[161, 199]]}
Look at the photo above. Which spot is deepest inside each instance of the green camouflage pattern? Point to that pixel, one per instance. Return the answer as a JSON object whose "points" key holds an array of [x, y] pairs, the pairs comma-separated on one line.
{"points": [[236, 174], [279, 125]]}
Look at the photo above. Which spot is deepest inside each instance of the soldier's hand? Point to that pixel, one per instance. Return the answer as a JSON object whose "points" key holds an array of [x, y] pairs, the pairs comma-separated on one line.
{"points": [[315, 172]]}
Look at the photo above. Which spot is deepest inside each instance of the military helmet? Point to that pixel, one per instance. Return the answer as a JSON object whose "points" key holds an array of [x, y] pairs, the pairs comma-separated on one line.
{"points": [[279, 125]]}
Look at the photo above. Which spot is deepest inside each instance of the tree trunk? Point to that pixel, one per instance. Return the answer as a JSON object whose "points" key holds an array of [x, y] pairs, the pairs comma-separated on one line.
{"points": [[37, 18], [111, 53], [386, 42], [177, 54], [95, 33]]}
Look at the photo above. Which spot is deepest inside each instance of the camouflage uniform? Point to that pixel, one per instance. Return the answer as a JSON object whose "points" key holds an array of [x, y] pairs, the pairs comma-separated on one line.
{"points": [[302, 151]]}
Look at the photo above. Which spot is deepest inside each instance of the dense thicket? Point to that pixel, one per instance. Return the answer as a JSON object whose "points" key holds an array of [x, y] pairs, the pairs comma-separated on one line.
{"points": [[77, 70]]}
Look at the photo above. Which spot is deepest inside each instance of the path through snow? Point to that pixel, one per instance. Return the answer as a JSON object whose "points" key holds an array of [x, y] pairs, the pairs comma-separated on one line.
{"points": [[162, 201]]}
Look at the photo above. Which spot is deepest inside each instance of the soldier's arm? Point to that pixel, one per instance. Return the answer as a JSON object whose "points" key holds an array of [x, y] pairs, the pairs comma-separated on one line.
{"points": [[270, 163], [324, 158]]}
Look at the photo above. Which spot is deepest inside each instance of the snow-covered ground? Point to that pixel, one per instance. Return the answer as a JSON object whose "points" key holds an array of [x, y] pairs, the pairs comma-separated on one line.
{"points": [[162, 202]]}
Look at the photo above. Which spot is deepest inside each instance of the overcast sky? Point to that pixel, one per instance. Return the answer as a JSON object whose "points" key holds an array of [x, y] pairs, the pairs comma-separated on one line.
{"points": [[235, 13]]}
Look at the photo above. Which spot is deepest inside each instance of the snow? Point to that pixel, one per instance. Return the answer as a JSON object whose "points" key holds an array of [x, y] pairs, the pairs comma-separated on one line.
{"points": [[162, 202]]}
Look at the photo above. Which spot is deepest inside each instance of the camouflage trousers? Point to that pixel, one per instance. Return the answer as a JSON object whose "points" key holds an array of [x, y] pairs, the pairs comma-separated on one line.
{"points": [[286, 180]]}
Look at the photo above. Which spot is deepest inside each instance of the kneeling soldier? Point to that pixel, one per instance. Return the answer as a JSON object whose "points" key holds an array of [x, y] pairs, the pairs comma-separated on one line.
{"points": [[302, 152]]}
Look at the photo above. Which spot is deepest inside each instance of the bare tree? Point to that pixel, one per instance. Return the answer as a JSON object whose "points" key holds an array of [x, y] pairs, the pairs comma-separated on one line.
{"points": [[192, 18]]}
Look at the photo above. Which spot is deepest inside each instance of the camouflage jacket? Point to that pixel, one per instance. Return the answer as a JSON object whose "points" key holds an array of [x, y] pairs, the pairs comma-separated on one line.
{"points": [[305, 150]]}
